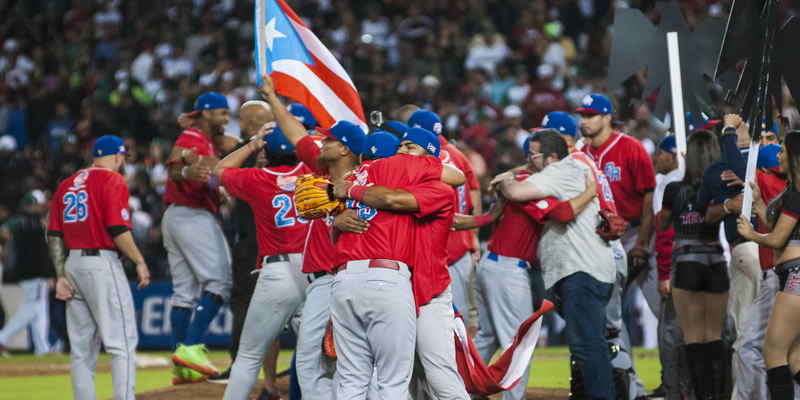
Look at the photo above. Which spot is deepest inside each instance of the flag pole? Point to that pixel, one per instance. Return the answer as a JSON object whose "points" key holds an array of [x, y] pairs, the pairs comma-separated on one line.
{"points": [[676, 86], [262, 53]]}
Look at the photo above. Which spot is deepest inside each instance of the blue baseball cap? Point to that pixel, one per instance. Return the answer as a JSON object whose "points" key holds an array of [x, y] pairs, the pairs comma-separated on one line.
{"points": [[424, 138], [108, 145], [768, 156], [595, 104], [560, 121], [395, 127], [669, 144], [427, 120], [526, 145], [347, 133], [277, 142], [209, 101], [705, 123], [773, 128], [380, 144], [303, 114]]}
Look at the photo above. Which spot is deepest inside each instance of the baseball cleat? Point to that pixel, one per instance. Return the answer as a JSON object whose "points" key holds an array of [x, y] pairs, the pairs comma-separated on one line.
{"points": [[182, 375], [194, 357], [221, 377]]}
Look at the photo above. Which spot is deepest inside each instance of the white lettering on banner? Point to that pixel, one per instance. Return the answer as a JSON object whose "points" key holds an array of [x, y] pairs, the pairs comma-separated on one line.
{"points": [[155, 318]]}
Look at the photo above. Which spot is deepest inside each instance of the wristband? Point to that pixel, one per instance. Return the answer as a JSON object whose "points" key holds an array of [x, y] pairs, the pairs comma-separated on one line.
{"points": [[356, 192], [483, 220], [725, 206], [183, 172]]}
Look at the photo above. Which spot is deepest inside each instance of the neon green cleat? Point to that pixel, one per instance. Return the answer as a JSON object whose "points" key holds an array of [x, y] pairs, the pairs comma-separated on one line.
{"points": [[182, 375], [194, 357]]}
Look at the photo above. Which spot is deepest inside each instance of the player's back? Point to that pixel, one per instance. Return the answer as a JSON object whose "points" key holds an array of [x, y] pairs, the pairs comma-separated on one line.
{"points": [[86, 205]]}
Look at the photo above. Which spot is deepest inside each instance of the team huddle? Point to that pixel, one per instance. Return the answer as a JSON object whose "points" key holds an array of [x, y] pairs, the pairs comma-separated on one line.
{"points": [[372, 239]]}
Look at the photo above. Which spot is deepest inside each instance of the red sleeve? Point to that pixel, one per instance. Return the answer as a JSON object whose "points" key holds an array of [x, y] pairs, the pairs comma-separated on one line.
{"points": [[663, 244], [117, 212], [562, 212], [433, 197], [55, 220], [241, 182], [308, 152], [186, 142], [643, 165], [539, 209]]}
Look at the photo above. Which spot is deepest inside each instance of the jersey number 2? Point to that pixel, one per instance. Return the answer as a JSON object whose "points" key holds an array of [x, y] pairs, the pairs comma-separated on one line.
{"points": [[284, 203], [76, 208]]}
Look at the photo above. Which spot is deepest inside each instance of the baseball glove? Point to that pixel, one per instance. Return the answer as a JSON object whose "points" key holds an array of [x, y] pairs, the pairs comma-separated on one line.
{"points": [[328, 348], [312, 199], [611, 227]]}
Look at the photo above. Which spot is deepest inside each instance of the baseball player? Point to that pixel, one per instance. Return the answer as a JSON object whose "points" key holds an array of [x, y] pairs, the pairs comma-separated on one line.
{"points": [[90, 218], [335, 158], [629, 171], [197, 251], [281, 286], [463, 249], [394, 310], [565, 125]]}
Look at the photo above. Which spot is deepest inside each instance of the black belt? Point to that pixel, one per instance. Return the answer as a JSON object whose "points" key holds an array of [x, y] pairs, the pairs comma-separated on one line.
{"points": [[277, 258], [635, 222], [697, 249], [311, 277], [90, 252], [738, 241]]}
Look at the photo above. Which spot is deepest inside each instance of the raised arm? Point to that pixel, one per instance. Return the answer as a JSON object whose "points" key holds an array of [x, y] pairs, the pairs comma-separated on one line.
{"points": [[235, 159], [290, 126]]}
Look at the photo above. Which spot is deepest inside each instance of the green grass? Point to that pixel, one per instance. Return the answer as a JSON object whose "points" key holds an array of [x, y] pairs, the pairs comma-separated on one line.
{"points": [[550, 368]]}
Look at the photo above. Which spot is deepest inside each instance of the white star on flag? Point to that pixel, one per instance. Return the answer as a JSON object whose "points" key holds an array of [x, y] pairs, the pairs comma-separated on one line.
{"points": [[587, 101], [270, 33]]}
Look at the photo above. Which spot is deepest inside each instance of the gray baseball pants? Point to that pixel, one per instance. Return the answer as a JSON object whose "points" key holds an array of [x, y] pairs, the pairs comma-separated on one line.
{"points": [[503, 294], [374, 325], [100, 309], [278, 296], [315, 371], [459, 276]]}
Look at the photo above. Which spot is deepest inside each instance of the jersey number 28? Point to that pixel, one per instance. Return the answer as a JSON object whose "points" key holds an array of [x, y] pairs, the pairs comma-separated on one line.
{"points": [[76, 206]]}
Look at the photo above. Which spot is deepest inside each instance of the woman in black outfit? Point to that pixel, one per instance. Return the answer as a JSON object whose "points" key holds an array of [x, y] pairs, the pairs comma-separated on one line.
{"points": [[782, 343], [699, 271]]}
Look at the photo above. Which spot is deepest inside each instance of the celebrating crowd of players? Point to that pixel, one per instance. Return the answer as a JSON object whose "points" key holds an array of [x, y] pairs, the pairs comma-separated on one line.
{"points": [[388, 273]]}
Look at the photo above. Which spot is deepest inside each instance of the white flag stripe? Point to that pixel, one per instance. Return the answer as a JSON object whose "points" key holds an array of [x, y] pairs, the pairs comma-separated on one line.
{"points": [[315, 47], [337, 109], [522, 355]]}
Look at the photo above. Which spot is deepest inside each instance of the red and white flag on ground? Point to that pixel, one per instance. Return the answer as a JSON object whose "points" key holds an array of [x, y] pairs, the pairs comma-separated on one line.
{"points": [[302, 68], [504, 373]]}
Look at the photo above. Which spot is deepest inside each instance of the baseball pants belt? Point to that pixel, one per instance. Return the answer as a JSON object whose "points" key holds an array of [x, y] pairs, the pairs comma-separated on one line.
{"points": [[495, 257], [312, 276], [276, 258], [92, 252], [696, 249], [375, 263]]}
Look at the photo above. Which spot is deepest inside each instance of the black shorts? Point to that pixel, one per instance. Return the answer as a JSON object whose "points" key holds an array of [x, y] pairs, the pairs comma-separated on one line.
{"points": [[789, 276], [699, 277]]}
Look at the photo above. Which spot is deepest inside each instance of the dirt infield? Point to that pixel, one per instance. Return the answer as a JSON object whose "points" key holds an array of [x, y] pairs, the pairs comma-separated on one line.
{"points": [[212, 391]]}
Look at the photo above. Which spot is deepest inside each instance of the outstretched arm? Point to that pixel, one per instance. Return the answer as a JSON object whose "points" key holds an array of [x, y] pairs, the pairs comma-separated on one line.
{"points": [[290, 126]]}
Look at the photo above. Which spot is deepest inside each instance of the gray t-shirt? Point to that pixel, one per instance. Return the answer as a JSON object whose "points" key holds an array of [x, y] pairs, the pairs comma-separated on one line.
{"points": [[565, 249]]}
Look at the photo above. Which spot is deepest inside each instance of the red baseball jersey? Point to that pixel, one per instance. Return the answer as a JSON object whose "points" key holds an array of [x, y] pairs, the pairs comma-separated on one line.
{"points": [[270, 192], [605, 195], [770, 186], [517, 232], [87, 205], [390, 236], [437, 210], [459, 242], [628, 169], [189, 193]]}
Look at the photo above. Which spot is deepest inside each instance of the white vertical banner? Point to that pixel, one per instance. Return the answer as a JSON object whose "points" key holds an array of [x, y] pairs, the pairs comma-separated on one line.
{"points": [[750, 177], [676, 85]]}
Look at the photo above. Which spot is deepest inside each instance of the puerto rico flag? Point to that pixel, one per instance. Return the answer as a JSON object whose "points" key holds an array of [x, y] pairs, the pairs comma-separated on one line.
{"points": [[504, 373], [302, 68]]}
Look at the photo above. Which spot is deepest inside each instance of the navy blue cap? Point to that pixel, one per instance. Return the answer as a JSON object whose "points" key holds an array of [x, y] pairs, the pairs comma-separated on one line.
{"points": [[669, 144], [348, 133], [560, 121], [108, 145], [595, 104], [768, 156], [303, 114], [396, 127], [380, 144], [423, 138], [209, 101], [277, 142], [705, 123], [427, 120], [773, 128]]}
